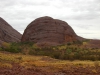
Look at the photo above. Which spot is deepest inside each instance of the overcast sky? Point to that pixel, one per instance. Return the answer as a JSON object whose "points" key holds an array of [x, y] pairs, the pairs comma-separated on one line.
{"points": [[82, 15]]}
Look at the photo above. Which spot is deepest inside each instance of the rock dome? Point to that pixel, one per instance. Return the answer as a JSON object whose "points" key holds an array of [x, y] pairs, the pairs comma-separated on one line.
{"points": [[8, 33], [49, 31]]}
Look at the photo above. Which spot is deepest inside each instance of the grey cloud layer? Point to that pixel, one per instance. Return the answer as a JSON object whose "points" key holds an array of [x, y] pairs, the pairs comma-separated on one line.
{"points": [[80, 12], [72, 9]]}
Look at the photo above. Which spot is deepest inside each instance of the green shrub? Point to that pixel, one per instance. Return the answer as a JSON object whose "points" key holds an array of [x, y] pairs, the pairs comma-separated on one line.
{"points": [[64, 52]]}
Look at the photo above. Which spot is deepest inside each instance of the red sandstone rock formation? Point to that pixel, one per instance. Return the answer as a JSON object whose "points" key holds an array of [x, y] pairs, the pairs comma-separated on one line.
{"points": [[46, 30], [7, 33]]}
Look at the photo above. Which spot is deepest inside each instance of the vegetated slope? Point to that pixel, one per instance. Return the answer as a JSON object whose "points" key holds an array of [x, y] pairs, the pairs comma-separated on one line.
{"points": [[94, 43], [8, 33], [49, 31]]}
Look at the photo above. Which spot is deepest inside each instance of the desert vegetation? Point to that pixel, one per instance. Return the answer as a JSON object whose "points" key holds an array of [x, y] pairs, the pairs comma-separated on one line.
{"points": [[71, 51], [28, 58], [19, 64]]}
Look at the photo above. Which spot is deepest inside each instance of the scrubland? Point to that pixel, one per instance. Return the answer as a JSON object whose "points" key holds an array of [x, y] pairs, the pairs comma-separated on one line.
{"points": [[29, 59], [19, 64]]}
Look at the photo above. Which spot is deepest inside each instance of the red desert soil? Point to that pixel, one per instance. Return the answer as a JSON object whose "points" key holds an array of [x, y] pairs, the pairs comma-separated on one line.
{"points": [[19, 70]]}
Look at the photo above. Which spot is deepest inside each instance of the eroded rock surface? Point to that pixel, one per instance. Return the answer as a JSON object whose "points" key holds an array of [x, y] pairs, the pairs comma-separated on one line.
{"points": [[8, 33], [46, 30]]}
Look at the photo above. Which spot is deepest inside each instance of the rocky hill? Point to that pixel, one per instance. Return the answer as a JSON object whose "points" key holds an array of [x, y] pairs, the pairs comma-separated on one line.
{"points": [[8, 33], [49, 31]]}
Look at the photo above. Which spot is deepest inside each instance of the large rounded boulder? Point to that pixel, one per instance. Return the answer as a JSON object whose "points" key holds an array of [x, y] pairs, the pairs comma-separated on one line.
{"points": [[48, 31]]}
